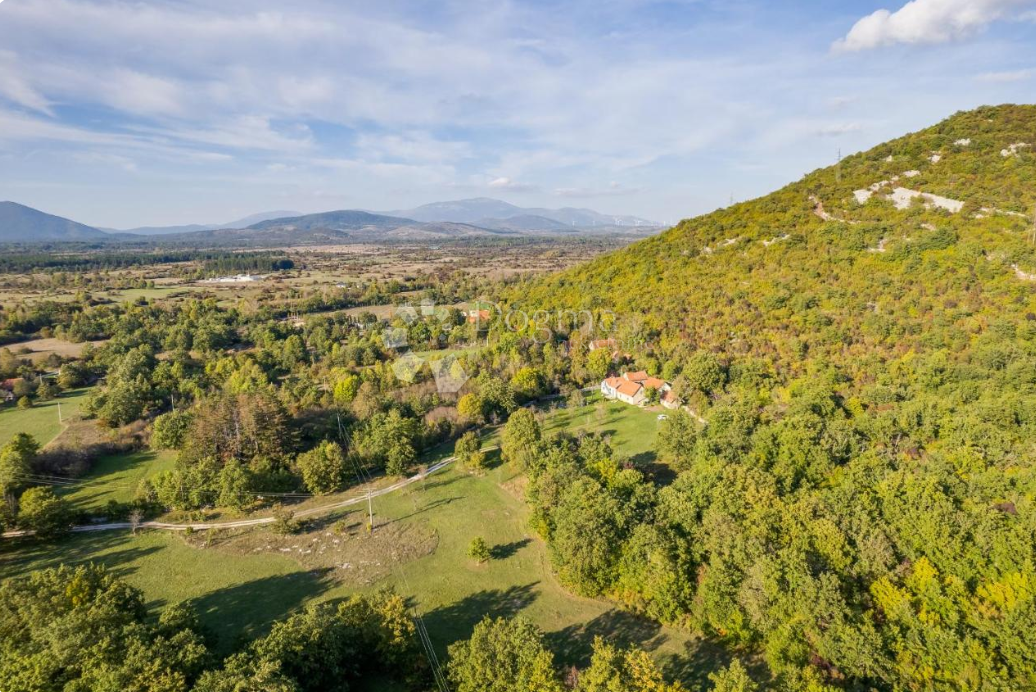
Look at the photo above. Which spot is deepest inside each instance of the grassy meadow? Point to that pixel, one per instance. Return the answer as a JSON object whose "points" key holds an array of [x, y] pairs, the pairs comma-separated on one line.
{"points": [[241, 584], [116, 477], [41, 421]]}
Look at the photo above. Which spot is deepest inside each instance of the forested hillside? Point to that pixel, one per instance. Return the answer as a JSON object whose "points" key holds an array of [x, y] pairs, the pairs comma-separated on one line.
{"points": [[858, 508]]}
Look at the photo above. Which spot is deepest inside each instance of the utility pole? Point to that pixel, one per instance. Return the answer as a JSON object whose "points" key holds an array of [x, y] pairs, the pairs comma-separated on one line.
{"points": [[59, 413], [838, 166], [370, 508]]}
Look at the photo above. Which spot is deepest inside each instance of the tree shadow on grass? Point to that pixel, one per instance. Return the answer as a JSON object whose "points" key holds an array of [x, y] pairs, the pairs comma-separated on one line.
{"points": [[441, 502], [436, 481], [237, 614], [22, 556], [325, 522], [493, 459], [643, 459], [454, 622], [573, 645], [506, 550]]}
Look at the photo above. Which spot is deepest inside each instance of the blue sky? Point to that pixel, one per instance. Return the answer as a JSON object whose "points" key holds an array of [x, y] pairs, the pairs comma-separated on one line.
{"points": [[122, 114]]}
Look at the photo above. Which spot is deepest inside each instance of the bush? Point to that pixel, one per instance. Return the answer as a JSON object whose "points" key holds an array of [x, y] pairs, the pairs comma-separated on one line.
{"points": [[479, 550], [468, 451], [285, 523]]}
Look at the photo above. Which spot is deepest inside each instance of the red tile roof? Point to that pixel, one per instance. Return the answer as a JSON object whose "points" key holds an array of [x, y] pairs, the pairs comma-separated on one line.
{"points": [[653, 382], [629, 388]]}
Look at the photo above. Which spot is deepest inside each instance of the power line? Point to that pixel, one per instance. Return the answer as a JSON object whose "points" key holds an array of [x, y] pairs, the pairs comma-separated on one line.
{"points": [[426, 639], [361, 474]]}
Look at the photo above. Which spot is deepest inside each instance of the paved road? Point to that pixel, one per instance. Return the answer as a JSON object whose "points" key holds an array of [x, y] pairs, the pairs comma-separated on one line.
{"points": [[165, 526]]}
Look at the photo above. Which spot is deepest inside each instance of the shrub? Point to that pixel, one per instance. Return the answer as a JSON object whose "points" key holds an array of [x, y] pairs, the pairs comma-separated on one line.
{"points": [[479, 550]]}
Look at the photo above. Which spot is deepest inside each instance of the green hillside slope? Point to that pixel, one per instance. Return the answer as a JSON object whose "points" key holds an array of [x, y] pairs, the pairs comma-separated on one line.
{"points": [[771, 277], [859, 507]]}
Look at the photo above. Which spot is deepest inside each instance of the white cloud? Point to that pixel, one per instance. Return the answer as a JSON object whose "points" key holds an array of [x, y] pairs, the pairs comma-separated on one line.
{"points": [[505, 183], [614, 189], [838, 129], [98, 157], [15, 88], [142, 94], [840, 102], [413, 146], [243, 132], [1006, 77], [926, 21]]}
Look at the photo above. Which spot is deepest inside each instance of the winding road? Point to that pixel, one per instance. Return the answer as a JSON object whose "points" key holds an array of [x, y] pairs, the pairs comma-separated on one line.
{"points": [[203, 526]]}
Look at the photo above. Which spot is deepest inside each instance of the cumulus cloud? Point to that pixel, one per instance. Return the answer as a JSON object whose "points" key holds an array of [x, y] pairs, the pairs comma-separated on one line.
{"points": [[926, 22]]}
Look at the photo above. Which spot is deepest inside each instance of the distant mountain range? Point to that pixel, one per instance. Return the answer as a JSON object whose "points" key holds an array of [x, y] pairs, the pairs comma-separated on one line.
{"points": [[442, 220], [191, 228], [480, 210]]}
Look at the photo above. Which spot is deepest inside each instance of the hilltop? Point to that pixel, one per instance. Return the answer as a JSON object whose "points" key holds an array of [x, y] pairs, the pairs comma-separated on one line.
{"points": [[19, 223], [809, 269]]}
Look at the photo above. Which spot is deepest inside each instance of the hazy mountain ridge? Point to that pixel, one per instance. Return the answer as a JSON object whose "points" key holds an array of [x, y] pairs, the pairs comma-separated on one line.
{"points": [[443, 220], [345, 219], [19, 223], [194, 227], [479, 209]]}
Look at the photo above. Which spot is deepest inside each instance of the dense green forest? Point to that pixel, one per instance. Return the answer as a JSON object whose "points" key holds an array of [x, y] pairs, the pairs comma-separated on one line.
{"points": [[858, 508]]}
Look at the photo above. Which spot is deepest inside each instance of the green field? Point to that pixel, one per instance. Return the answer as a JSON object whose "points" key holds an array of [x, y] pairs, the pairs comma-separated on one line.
{"points": [[117, 477], [632, 430], [40, 421], [241, 594]]}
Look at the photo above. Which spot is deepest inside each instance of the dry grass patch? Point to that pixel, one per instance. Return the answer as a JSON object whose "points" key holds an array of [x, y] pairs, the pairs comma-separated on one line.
{"points": [[343, 549], [516, 486], [38, 349]]}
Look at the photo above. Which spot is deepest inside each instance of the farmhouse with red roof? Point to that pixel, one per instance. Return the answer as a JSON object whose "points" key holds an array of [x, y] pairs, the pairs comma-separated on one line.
{"points": [[632, 388]]}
